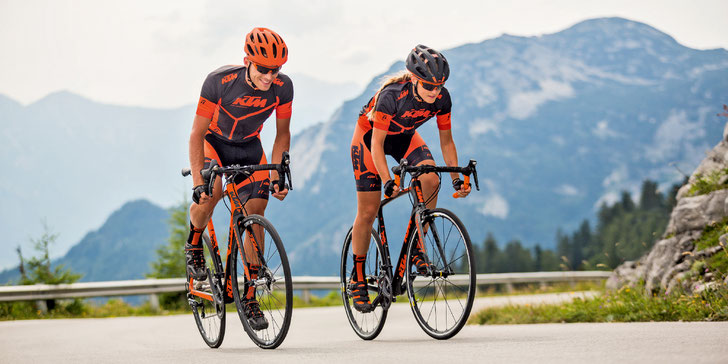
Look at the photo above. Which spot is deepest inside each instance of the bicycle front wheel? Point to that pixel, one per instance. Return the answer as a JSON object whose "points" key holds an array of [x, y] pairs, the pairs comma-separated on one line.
{"points": [[442, 298], [206, 300], [366, 325], [261, 265]]}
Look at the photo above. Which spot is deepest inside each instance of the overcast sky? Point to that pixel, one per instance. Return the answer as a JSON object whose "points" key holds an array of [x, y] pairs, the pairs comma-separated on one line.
{"points": [[157, 53]]}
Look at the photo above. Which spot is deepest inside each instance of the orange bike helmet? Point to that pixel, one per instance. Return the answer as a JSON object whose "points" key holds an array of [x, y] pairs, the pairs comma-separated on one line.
{"points": [[265, 47]]}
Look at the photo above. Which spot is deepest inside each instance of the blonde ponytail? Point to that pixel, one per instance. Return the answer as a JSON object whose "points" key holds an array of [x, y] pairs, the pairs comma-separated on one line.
{"points": [[388, 80]]}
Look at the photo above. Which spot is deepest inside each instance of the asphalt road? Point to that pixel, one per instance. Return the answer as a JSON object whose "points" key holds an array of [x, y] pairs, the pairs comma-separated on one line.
{"points": [[324, 335]]}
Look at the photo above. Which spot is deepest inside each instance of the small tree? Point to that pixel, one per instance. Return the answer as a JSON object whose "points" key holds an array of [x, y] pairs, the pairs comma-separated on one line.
{"points": [[38, 269]]}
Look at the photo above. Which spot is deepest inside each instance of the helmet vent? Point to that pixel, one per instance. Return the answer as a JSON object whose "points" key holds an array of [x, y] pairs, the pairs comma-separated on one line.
{"points": [[275, 49]]}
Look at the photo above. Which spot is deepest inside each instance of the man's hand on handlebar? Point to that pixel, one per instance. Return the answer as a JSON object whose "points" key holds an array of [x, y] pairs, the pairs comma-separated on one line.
{"points": [[276, 192], [200, 194]]}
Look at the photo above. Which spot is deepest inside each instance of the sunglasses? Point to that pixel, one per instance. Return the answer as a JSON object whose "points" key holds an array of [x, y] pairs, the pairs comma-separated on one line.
{"points": [[430, 87], [264, 70]]}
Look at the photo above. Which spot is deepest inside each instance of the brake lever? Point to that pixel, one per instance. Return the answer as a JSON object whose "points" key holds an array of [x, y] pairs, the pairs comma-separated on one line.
{"points": [[212, 170], [475, 173], [286, 162], [398, 171]]}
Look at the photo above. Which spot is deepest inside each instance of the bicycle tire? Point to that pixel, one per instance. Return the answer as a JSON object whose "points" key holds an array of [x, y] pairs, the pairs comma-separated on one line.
{"points": [[366, 325], [211, 326], [273, 288], [441, 301]]}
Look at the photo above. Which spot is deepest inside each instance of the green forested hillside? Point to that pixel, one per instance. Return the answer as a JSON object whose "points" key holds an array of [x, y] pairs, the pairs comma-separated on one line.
{"points": [[624, 231]]}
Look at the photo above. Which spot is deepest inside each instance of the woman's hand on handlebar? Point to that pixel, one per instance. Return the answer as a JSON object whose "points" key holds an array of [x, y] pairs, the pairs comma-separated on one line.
{"points": [[464, 190], [391, 188]]}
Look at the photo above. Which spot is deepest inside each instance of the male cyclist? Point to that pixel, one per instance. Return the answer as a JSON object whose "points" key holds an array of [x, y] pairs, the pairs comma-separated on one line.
{"points": [[234, 103]]}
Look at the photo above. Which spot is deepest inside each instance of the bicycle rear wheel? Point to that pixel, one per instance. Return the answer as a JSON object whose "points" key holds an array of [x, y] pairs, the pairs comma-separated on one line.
{"points": [[273, 286], [206, 300], [366, 325], [441, 300]]}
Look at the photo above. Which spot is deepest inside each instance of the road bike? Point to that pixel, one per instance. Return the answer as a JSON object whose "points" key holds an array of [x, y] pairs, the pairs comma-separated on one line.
{"points": [[441, 298], [253, 244]]}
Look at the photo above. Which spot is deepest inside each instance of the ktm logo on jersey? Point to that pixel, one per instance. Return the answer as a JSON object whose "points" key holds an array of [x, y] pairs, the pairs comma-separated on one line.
{"points": [[278, 81], [254, 101], [403, 94], [416, 113], [229, 78]]}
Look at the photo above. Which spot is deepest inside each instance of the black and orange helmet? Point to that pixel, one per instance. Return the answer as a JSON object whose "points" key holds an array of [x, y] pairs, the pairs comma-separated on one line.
{"points": [[428, 65], [265, 47]]}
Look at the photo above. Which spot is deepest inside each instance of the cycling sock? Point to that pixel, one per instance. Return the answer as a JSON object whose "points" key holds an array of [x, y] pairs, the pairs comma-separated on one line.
{"points": [[358, 274], [194, 237], [250, 290]]}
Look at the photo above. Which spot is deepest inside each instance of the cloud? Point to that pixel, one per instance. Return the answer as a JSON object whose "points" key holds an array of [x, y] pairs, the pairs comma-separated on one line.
{"points": [[483, 126], [494, 204], [617, 176], [524, 104], [602, 130], [567, 190], [674, 134]]}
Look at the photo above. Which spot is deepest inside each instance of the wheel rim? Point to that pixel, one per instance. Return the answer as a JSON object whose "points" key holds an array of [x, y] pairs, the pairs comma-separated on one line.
{"points": [[210, 318], [441, 300], [273, 289], [366, 325]]}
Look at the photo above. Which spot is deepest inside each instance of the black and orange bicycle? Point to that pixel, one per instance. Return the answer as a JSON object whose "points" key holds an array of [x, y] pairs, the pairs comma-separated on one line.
{"points": [[441, 298], [253, 246]]}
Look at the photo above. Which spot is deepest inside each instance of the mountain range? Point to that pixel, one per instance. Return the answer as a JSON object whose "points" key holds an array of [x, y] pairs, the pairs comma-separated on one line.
{"points": [[558, 123]]}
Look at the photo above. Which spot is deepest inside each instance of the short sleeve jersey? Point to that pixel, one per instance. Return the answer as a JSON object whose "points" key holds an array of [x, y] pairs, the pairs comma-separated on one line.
{"points": [[398, 111], [237, 110]]}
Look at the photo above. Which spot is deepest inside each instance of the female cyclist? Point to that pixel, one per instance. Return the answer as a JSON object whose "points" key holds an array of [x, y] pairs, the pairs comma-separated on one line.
{"points": [[387, 126]]}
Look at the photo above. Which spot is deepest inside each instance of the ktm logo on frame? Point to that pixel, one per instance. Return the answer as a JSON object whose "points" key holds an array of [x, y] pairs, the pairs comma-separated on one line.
{"points": [[254, 101], [416, 113]]}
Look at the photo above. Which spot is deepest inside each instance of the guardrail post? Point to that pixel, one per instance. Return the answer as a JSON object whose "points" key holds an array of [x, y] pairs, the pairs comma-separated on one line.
{"points": [[509, 287], [42, 306], [154, 302], [306, 295]]}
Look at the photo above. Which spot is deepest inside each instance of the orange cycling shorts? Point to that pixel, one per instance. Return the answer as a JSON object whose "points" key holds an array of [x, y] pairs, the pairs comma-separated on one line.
{"points": [[409, 146]]}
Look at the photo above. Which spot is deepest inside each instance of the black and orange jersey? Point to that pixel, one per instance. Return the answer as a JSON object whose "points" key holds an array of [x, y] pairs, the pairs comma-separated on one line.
{"points": [[236, 109], [399, 112]]}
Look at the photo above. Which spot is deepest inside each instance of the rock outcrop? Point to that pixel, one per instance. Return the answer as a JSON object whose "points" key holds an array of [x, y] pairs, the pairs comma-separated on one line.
{"points": [[671, 258]]}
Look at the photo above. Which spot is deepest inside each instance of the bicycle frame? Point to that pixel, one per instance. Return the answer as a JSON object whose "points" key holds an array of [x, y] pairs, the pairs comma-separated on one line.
{"points": [[236, 215], [418, 208]]}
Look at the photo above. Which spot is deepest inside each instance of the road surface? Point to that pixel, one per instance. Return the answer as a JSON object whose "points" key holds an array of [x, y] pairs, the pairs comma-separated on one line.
{"points": [[323, 335]]}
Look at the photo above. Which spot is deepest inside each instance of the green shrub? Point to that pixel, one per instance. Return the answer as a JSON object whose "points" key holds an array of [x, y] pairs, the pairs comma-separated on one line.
{"points": [[707, 184]]}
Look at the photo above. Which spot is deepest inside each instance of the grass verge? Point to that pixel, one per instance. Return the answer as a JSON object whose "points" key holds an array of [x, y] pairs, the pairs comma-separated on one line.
{"points": [[625, 305]]}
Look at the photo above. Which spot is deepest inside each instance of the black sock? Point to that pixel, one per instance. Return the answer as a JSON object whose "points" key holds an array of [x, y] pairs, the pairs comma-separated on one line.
{"points": [[194, 237], [358, 274]]}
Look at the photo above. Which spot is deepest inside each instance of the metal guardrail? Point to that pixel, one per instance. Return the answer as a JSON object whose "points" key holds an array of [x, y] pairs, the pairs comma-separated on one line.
{"points": [[301, 283]]}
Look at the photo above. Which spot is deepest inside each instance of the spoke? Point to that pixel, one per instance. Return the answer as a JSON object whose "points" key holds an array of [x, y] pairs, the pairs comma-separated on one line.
{"points": [[454, 260], [447, 306], [456, 286], [424, 288]]}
